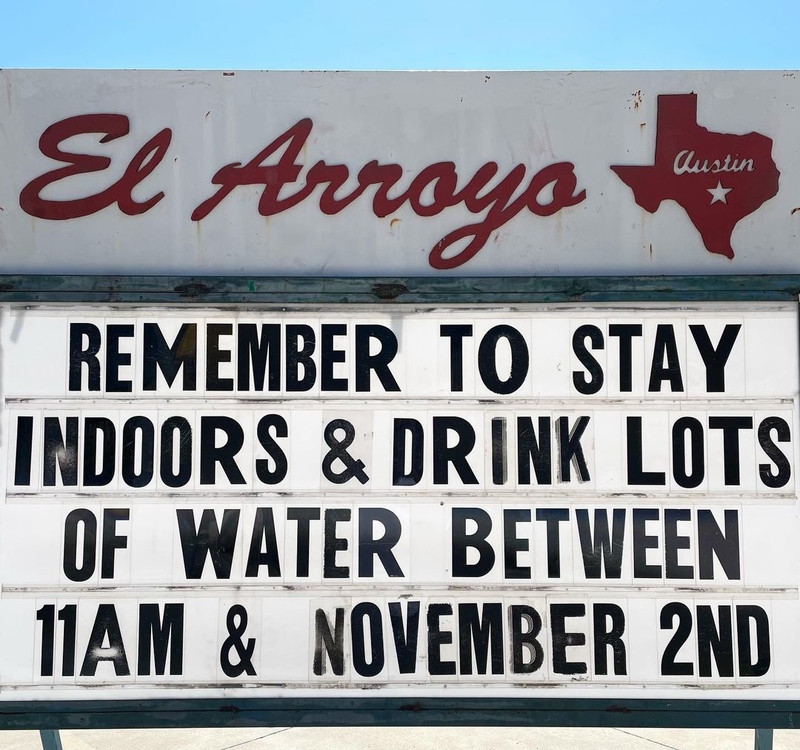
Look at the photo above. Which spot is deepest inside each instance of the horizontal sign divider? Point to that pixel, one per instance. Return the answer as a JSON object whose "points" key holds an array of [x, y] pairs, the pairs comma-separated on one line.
{"points": [[323, 712], [227, 290]]}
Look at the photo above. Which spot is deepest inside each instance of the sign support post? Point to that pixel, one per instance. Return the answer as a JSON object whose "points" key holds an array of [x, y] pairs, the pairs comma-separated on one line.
{"points": [[51, 739], [764, 739]]}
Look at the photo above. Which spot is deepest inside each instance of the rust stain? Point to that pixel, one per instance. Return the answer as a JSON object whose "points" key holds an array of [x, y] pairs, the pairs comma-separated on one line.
{"points": [[637, 98], [388, 292], [208, 113], [229, 74], [794, 211], [393, 222]]}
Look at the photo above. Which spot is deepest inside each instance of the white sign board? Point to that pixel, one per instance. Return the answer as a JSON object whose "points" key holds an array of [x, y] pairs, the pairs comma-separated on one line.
{"points": [[538, 501], [399, 174]]}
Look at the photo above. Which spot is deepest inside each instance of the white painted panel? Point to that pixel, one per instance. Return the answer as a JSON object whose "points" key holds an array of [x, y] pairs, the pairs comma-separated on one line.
{"points": [[514, 535]]}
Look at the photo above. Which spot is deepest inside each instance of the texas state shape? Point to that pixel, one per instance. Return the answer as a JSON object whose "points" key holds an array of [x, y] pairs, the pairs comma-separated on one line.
{"points": [[718, 178]]}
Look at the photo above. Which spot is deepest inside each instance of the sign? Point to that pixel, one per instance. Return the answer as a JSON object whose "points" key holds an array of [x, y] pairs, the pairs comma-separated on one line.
{"points": [[537, 501], [399, 174]]}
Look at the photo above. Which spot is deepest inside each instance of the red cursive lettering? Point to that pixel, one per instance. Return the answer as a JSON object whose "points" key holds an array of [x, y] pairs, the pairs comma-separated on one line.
{"points": [[113, 127], [441, 177]]}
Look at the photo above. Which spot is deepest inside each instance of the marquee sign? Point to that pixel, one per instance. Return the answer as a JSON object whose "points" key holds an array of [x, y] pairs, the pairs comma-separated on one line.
{"points": [[515, 500], [387, 394], [366, 174]]}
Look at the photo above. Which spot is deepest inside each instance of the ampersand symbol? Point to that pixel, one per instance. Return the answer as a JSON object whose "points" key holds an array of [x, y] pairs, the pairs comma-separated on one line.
{"points": [[234, 641], [338, 450]]}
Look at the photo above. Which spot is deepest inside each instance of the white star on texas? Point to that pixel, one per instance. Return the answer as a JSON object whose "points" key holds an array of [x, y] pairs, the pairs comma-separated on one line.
{"points": [[718, 193]]}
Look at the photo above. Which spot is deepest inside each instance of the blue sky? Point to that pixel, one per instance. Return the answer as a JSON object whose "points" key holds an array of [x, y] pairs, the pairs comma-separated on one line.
{"points": [[410, 34]]}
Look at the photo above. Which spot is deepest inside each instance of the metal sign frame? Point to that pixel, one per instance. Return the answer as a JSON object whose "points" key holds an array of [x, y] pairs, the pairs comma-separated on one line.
{"points": [[422, 711]]}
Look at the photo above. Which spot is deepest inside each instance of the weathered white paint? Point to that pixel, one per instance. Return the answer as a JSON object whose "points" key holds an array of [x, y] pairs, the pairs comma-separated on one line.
{"points": [[591, 120]]}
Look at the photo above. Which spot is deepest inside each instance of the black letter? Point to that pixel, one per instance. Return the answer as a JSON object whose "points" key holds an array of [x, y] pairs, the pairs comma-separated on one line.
{"points": [[668, 664], [710, 639], [456, 334], [216, 356], [116, 359], [552, 517], [24, 451], [405, 640], [197, 543], [91, 476], [582, 383], [332, 643], [379, 362], [181, 424], [625, 333], [512, 544], [360, 664], [730, 427], [523, 613], [570, 450], [643, 542], [105, 624], [182, 353], [263, 534], [369, 547], [487, 356], [256, 349], [602, 550], [329, 356], [531, 449], [162, 633], [111, 540], [775, 454], [295, 357], [673, 542], [480, 632], [603, 638], [634, 451], [437, 638], [304, 517], [715, 359], [65, 452], [462, 541], [561, 639], [129, 430], [457, 454], [745, 613], [79, 356], [679, 430], [71, 569], [334, 543], [414, 429], [225, 455], [274, 451], [710, 541], [665, 345], [499, 451]]}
